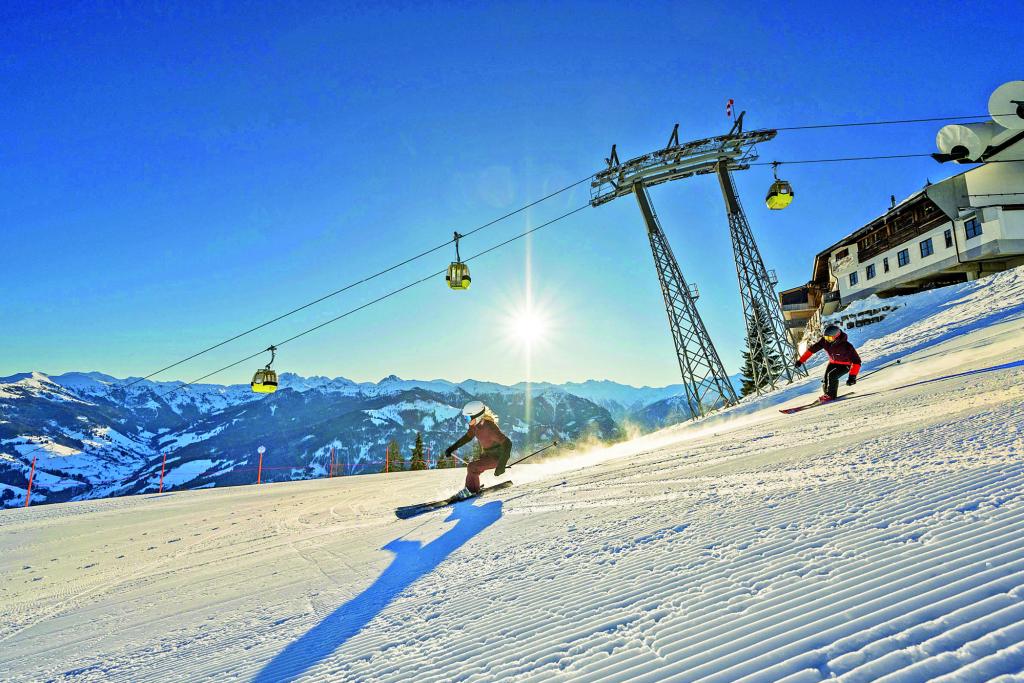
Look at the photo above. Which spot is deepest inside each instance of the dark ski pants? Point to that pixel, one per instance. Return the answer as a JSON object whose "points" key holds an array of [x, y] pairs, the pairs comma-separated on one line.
{"points": [[488, 460], [830, 383]]}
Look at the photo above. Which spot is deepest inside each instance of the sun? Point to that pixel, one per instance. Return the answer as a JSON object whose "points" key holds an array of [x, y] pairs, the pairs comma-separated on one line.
{"points": [[528, 325]]}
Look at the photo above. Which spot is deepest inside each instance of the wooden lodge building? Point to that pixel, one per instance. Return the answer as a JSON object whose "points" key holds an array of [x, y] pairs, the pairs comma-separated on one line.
{"points": [[957, 230]]}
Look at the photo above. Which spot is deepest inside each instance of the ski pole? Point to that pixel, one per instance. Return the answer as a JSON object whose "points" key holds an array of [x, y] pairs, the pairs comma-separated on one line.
{"points": [[550, 445], [895, 362]]}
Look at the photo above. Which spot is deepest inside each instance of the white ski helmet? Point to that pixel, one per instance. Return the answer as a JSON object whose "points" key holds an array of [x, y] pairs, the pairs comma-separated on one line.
{"points": [[474, 409]]}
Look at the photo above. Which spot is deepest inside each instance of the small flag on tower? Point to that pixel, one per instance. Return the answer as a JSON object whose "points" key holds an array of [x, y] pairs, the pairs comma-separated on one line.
{"points": [[728, 109]]}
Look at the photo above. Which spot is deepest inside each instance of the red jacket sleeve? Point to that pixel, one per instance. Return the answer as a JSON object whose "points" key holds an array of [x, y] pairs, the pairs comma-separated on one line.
{"points": [[812, 349], [855, 365]]}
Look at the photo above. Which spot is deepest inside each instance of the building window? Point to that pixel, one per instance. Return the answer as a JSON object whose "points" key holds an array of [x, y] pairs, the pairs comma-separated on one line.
{"points": [[949, 238], [853, 279], [885, 264], [870, 271], [926, 248], [972, 226], [903, 258]]}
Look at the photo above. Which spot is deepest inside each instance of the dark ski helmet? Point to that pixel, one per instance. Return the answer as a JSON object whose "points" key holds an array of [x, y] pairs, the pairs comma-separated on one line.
{"points": [[831, 332]]}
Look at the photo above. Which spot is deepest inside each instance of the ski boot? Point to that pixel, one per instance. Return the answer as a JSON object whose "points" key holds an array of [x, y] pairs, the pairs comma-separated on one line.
{"points": [[464, 494], [825, 398]]}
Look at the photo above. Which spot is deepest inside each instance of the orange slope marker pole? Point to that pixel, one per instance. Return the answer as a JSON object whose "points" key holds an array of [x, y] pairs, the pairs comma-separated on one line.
{"points": [[259, 470], [31, 476], [163, 466], [331, 474]]}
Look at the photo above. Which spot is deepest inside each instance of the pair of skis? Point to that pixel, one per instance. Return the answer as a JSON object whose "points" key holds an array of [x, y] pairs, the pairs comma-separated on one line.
{"points": [[819, 402], [407, 511], [815, 404]]}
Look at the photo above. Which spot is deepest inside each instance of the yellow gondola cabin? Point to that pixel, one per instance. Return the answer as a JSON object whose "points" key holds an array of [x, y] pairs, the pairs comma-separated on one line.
{"points": [[265, 379], [780, 194], [458, 276], [458, 272]]}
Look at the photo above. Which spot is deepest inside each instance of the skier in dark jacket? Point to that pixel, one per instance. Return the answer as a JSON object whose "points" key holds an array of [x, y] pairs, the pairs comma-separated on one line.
{"points": [[483, 425], [842, 357]]}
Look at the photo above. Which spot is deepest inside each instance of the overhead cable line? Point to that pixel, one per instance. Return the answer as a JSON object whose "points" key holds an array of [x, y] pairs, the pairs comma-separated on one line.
{"points": [[490, 249], [869, 158], [855, 124], [838, 159], [375, 301], [355, 284]]}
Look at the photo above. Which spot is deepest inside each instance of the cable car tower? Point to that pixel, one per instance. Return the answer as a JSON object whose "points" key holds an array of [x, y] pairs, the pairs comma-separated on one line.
{"points": [[704, 377]]}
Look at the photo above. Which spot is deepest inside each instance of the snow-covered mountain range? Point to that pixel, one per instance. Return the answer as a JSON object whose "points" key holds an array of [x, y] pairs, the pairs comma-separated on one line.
{"points": [[94, 435]]}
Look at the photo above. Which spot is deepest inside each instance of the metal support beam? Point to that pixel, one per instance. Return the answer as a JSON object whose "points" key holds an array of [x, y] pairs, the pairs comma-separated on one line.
{"points": [[704, 377], [757, 292]]}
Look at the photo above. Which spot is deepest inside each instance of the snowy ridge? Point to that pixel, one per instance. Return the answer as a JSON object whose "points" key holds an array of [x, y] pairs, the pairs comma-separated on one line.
{"points": [[876, 539], [212, 398], [115, 432], [428, 412]]}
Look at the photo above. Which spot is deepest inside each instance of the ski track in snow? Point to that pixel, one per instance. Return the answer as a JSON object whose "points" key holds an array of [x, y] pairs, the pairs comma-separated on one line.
{"points": [[876, 539]]}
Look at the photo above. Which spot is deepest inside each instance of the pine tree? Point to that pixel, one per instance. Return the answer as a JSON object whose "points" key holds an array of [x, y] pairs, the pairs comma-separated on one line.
{"points": [[445, 462], [417, 462], [395, 461], [763, 356]]}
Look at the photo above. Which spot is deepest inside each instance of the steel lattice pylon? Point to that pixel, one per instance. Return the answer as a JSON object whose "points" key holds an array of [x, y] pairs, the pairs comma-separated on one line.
{"points": [[702, 370], [757, 291], [704, 377]]}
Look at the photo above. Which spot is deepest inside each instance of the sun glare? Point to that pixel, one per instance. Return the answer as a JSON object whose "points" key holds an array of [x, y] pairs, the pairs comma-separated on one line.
{"points": [[529, 326]]}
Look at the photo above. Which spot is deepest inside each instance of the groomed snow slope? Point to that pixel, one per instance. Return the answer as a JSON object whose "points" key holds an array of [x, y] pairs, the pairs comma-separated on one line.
{"points": [[879, 538]]}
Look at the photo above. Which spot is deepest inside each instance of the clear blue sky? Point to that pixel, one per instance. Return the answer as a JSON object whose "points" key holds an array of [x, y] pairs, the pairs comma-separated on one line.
{"points": [[169, 177]]}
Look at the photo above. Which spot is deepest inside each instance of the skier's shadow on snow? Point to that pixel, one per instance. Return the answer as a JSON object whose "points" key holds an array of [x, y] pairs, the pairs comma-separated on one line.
{"points": [[411, 562]]}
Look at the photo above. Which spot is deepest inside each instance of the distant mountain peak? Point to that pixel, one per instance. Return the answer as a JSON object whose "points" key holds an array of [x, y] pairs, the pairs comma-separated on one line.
{"points": [[14, 379]]}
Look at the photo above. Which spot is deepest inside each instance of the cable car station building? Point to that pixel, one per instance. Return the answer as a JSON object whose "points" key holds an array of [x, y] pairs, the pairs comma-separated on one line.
{"points": [[957, 230]]}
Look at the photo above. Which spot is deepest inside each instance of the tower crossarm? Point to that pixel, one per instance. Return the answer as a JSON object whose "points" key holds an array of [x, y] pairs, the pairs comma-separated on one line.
{"points": [[697, 157]]}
